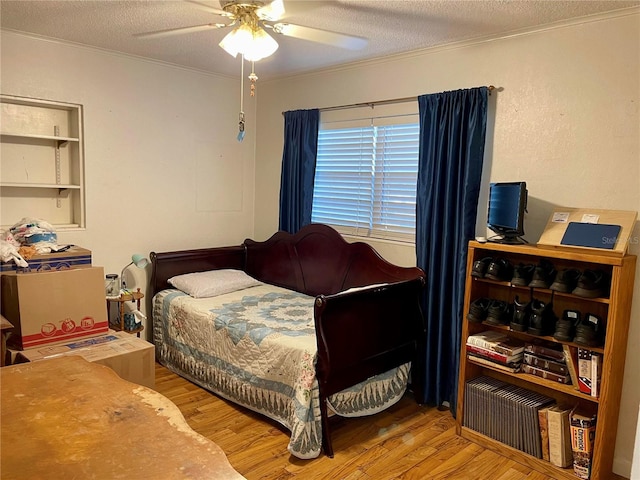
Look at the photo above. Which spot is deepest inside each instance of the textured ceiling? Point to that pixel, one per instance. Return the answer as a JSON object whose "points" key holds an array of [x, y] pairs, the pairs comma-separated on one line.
{"points": [[391, 27]]}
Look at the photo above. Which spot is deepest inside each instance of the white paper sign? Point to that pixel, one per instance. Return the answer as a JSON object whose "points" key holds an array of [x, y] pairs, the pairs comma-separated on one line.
{"points": [[590, 218], [560, 217]]}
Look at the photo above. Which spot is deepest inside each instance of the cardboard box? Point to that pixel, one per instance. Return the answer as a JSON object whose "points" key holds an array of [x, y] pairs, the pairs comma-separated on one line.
{"points": [[129, 356], [596, 374], [54, 307], [75, 257], [583, 433], [584, 370]]}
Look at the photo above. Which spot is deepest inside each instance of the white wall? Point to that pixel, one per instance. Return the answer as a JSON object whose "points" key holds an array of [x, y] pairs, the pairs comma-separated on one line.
{"points": [[565, 121], [163, 169], [635, 468]]}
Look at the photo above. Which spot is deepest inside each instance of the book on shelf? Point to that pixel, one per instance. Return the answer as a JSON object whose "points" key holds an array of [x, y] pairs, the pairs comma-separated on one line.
{"points": [[584, 370], [527, 404], [477, 403], [501, 421], [543, 422], [505, 412], [509, 367], [539, 372], [596, 371], [546, 364], [538, 402], [560, 452], [583, 433], [496, 341], [545, 352], [571, 360], [515, 419], [493, 355]]}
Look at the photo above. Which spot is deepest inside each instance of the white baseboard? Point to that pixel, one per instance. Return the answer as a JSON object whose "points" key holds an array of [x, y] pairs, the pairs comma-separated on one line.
{"points": [[623, 468]]}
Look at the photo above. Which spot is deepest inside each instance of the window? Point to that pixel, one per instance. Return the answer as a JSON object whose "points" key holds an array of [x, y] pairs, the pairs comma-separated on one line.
{"points": [[365, 183]]}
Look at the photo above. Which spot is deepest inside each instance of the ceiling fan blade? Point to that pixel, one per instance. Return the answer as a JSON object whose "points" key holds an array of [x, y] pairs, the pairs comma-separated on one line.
{"points": [[320, 36], [273, 11], [209, 8], [179, 30]]}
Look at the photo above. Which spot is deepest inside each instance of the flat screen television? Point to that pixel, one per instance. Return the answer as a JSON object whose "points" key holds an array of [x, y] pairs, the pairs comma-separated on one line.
{"points": [[507, 205]]}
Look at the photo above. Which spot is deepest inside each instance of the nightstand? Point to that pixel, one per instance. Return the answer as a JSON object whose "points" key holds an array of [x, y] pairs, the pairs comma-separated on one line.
{"points": [[120, 301]]}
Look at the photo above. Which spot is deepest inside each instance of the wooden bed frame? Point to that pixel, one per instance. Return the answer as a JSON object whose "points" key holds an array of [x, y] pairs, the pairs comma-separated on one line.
{"points": [[367, 311]]}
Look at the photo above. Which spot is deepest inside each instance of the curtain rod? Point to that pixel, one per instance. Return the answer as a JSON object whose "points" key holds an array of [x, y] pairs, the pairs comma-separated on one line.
{"points": [[491, 88]]}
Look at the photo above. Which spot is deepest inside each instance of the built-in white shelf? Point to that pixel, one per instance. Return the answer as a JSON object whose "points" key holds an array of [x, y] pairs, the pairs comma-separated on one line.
{"points": [[39, 185], [42, 160], [39, 137]]}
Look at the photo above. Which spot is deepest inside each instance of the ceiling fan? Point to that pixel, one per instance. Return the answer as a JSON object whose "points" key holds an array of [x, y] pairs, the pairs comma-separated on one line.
{"points": [[250, 18]]}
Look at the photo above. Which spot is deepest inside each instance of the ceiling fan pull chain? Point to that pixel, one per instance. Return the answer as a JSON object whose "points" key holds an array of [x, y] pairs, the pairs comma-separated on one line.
{"points": [[242, 82], [253, 77], [240, 136]]}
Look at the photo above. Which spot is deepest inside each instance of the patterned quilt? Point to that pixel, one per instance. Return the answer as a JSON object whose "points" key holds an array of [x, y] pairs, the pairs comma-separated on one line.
{"points": [[257, 347]]}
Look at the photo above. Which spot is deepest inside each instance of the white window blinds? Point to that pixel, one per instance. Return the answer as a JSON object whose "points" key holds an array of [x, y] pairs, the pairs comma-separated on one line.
{"points": [[365, 183]]}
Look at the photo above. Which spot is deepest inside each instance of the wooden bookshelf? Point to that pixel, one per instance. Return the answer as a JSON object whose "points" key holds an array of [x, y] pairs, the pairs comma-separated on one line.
{"points": [[615, 309]]}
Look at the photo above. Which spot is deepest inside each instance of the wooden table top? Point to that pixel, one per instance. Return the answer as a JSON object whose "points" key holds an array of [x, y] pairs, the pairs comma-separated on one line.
{"points": [[68, 418]]}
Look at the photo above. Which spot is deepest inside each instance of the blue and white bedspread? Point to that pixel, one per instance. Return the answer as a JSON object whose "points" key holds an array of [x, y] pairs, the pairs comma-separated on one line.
{"points": [[257, 347]]}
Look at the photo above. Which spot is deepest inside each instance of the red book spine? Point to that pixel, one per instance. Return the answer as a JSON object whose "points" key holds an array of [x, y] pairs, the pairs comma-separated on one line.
{"points": [[495, 356]]}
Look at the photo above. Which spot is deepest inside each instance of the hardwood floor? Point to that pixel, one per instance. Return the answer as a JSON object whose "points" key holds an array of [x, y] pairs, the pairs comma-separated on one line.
{"points": [[406, 441]]}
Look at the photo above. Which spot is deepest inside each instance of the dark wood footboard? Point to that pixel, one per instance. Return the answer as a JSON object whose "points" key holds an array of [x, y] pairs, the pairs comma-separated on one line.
{"points": [[367, 311], [365, 332]]}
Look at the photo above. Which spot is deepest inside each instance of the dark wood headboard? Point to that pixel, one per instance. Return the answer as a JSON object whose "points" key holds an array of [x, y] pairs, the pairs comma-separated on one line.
{"points": [[316, 260], [169, 264]]}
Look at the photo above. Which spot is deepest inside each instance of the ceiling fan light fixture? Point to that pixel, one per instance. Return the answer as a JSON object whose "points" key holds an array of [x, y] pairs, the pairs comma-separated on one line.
{"points": [[254, 43], [263, 46], [237, 40]]}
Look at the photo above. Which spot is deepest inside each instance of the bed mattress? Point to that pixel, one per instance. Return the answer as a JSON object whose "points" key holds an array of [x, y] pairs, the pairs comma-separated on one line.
{"points": [[257, 347]]}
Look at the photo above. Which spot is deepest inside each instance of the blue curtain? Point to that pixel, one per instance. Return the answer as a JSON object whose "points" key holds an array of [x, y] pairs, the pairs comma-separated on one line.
{"points": [[298, 168], [452, 138]]}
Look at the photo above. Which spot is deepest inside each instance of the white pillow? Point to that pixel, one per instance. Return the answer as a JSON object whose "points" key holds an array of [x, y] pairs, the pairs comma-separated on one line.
{"points": [[213, 282]]}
